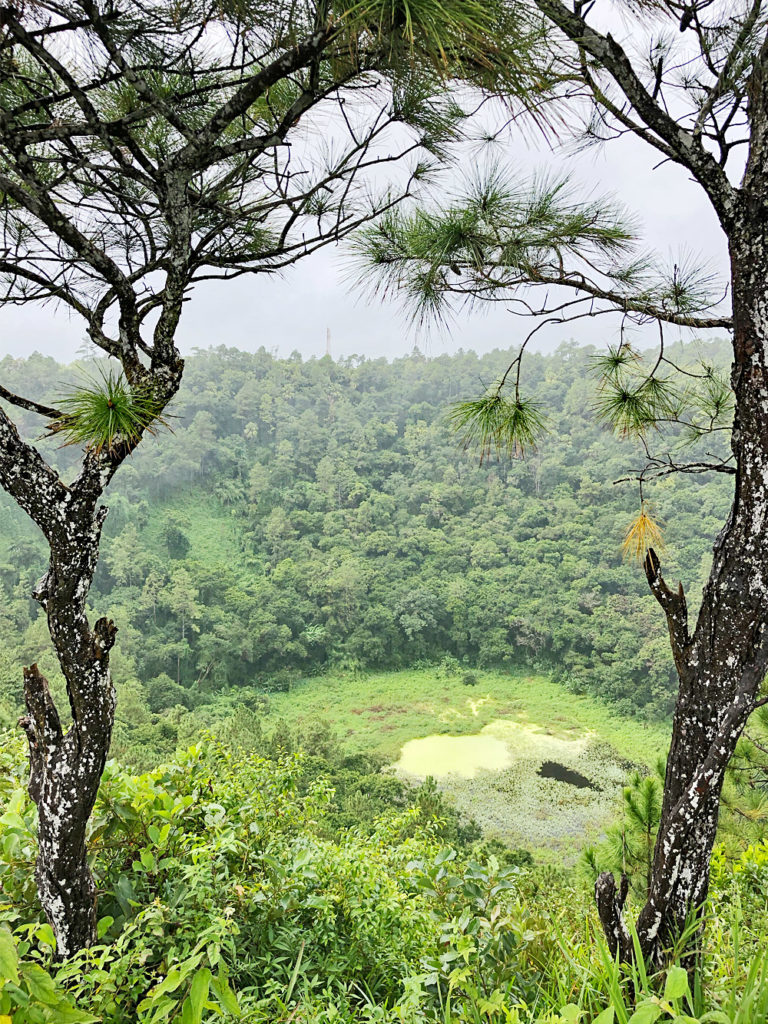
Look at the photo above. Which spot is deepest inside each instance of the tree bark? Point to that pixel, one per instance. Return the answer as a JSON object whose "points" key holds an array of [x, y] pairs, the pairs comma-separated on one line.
{"points": [[721, 667], [66, 767], [64, 778]]}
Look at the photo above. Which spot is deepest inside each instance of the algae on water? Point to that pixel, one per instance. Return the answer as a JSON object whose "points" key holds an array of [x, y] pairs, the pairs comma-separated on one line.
{"points": [[454, 755], [498, 745]]}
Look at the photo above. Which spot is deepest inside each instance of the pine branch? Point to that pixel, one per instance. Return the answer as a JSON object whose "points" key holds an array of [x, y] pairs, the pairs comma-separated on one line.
{"points": [[686, 147]]}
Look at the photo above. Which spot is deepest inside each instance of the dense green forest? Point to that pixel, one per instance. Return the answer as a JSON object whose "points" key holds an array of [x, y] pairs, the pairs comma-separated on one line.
{"points": [[302, 530], [312, 515]]}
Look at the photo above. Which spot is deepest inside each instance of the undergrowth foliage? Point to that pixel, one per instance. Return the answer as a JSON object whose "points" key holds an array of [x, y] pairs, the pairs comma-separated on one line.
{"points": [[224, 897]]}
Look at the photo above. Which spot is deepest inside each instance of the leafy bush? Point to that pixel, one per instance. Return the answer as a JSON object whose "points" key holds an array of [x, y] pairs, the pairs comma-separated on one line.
{"points": [[164, 692], [449, 666], [228, 893]]}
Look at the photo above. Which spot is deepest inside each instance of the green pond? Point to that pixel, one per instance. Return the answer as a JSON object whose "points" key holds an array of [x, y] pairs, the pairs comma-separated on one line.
{"points": [[499, 745], [460, 755], [550, 794]]}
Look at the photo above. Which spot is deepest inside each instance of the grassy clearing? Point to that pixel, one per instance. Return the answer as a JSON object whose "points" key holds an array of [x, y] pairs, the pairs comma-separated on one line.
{"points": [[381, 712], [486, 744], [209, 525]]}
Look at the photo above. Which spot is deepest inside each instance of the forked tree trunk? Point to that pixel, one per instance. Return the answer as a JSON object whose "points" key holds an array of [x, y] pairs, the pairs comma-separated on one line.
{"points": [[66, 767], [722, 665], [64, 778]]}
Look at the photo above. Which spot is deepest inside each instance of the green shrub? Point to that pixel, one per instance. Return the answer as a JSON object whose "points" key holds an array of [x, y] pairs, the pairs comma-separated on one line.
{"points": [[230, 892], [164, 692]]}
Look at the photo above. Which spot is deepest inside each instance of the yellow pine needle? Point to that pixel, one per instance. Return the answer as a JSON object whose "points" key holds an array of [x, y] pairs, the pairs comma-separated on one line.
{"points": [[751, 813], [644, 532]]}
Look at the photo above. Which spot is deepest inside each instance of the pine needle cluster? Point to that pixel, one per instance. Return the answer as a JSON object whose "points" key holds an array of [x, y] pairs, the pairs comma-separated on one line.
{"points": [[644, 532], [697, 398], [498, 423], [105, 413]]}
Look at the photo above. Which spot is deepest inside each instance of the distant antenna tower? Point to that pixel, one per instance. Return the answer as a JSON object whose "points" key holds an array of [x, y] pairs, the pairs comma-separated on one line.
{"points": [[328, 341]]}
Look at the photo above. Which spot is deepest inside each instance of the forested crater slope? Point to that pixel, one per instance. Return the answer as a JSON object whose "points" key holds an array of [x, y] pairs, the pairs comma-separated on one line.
{"points": [[312, 515]]}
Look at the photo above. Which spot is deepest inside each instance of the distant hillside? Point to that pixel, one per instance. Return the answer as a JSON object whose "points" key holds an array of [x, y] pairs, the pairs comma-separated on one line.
{"points": [[311, 515]]}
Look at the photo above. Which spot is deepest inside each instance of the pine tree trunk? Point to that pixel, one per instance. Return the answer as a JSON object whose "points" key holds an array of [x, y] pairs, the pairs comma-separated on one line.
{"points": [[722, 665], [65, 768], [64, 777]]}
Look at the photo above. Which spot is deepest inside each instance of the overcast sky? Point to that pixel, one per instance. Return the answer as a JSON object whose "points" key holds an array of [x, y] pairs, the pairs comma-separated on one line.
{"points": [[294, 312]]}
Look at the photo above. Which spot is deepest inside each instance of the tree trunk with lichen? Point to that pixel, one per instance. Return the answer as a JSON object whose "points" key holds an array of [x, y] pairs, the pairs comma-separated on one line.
{"points": [[66, 767], [722, 665]]}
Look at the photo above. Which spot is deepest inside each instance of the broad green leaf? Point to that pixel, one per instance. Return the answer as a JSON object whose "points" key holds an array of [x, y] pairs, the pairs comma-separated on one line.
{"points": [[126, 897], [17, 801], [40, 984], [186, 1013], [225, 995], [169, 984], [45, 934], [125, 811], [646, 1013], [11, 846], [606, 1017], [65, 1013], [676, 984], [12, 820], [198, 993], [9, 958]]}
